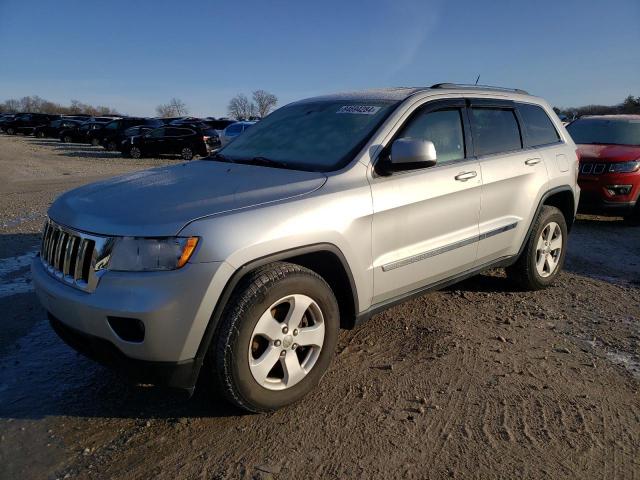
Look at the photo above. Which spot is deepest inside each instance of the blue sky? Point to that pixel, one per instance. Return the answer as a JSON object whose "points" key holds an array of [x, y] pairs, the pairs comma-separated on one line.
{"points": [[134, 55]]}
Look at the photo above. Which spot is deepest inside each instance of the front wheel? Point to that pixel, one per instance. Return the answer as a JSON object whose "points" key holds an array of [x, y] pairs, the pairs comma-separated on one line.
{"points": [[40, 134], [11, 131], [111, 146], [95, 142], [543, 256], [66, 139], [276, 339]]}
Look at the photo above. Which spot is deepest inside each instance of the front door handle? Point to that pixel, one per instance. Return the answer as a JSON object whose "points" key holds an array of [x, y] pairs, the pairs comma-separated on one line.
{"points": [[532, 161], [464, 176]]}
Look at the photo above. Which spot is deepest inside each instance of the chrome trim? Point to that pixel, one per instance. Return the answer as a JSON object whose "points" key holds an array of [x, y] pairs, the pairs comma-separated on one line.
{"points": [[62, 246], [447, 248]]}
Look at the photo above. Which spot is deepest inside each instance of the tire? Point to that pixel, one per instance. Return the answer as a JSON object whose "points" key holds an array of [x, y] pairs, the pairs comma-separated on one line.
{"points": [[186, 153], [40, 135], [67, 139], [633, 218], [135, 152], [111, 146], [267, 295], [540, 262], [95, 142], [11, 131]]}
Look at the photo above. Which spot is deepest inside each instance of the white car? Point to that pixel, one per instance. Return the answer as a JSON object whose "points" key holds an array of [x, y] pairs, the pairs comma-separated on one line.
{"points": [[233, 130]]}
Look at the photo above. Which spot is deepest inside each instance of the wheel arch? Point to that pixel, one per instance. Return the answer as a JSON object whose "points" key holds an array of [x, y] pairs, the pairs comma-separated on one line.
{"points": [[561, 197], [325, 259]]}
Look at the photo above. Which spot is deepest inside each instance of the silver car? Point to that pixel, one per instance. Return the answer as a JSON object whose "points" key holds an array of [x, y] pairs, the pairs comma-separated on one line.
{"points": [[243, 266]]}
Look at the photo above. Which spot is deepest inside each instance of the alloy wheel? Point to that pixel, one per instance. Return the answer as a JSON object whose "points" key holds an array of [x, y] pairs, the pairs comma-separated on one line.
{"points": [[286, 342], [135, 152], [187, 153], [549, 249]]}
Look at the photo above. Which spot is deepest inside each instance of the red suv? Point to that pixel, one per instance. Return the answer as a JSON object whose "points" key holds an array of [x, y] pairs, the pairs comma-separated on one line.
{"points": [[609, 148]]}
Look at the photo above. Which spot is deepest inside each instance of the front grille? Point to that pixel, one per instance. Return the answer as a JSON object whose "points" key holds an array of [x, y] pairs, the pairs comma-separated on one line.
{"points": [[593, 168], [71, 256]]}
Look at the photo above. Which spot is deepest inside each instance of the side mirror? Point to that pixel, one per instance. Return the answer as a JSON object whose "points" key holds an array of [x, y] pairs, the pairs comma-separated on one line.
{"points": [[413, 152]]}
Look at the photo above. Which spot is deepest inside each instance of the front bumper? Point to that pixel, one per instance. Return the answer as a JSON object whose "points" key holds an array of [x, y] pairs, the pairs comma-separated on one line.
{"points": [[175, 308], [167, 374], [595, 197]]}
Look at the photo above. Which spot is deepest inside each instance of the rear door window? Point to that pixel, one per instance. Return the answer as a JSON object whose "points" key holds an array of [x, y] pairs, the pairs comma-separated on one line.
{"points": [[537, 125], [495, 130]]}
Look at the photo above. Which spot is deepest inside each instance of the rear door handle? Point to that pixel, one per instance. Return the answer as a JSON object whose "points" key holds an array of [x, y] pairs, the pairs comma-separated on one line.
{"points": [[464, 176], [532, 161]]}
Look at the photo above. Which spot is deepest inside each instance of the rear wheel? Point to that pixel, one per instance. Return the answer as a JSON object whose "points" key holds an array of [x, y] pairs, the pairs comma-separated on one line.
{"points": [[276, 338], [543, 256], [40, 134], [66, 139], [111, 146], [11, 131], [135, 152], [95, 142], [186, 153]]}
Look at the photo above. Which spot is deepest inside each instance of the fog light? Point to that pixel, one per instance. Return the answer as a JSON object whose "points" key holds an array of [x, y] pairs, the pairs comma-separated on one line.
{"points": [[614, 190]]}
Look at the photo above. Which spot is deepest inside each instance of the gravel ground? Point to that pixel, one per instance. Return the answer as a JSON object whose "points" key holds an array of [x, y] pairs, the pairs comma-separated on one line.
{"points": [[477, 381]]}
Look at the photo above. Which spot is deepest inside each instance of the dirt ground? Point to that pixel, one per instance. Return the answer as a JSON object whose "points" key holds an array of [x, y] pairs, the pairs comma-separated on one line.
{"points": [[477, 381]]}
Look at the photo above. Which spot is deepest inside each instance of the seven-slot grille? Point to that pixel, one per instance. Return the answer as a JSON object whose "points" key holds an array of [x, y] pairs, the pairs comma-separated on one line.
{"points": [[68, 255], [593, 168]]}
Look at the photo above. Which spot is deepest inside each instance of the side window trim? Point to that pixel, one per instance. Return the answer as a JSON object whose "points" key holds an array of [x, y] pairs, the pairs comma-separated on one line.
{"points": [[502, 105], [429, 107], [525, 140]]}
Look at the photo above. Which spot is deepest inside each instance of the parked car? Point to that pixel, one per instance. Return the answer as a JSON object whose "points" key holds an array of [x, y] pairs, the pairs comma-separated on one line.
{"points": [[26, 122], [609, 150], [326, 212], [80, 133], [168, 140], [133, 132], [53, 129], [233, 130], [113, 132], [5, 119]]}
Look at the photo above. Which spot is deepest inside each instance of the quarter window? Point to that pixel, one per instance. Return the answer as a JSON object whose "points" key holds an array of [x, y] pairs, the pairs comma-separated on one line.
{"points": [[538, 126], [443, 128], [495, 130]]}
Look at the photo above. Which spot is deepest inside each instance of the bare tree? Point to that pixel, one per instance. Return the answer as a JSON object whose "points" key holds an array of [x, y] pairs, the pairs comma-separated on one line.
{"points": [[241, 108], [37, 104], [264, 102], [175, 108]]}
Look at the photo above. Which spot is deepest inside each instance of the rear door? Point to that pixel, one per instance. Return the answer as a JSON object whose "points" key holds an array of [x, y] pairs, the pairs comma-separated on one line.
{"points": [[425, 221], [512, 177]]}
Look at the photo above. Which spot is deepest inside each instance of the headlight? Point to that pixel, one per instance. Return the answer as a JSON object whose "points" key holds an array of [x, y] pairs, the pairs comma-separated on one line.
{"points": [[132, 254], [624, 167]]}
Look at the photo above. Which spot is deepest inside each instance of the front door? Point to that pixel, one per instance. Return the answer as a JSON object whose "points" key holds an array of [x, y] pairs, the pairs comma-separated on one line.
{"points": [[425, 221]]}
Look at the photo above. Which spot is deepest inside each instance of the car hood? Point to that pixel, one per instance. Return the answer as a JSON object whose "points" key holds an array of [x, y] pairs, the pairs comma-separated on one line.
{"points": [[611, 153], [161, 201]]}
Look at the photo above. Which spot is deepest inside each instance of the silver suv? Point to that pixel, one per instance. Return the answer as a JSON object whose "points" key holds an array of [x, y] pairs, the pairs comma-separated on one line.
{"points": [[242, 267]]}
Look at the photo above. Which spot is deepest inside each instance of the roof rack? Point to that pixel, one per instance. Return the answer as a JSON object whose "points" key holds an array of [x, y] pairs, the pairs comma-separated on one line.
{"points": [[487, 87]]}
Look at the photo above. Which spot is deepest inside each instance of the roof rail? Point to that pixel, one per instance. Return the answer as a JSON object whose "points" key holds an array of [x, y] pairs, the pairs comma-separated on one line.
{"points": [[487, 87]]}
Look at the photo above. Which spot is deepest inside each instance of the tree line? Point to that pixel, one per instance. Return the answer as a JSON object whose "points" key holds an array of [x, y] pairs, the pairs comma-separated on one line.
{"points": [[630, 105], [36, 104]]}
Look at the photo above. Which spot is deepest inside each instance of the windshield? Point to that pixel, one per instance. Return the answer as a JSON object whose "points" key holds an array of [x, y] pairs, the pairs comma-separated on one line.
{"points": [[605, 131], [319, 136]]}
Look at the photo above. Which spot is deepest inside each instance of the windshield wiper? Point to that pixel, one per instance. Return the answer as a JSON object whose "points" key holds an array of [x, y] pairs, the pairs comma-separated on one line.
{"points": [[264, 161]]}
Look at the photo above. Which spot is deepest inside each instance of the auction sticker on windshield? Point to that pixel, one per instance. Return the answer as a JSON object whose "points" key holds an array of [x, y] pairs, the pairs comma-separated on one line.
{"points": [[359, 109]]}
